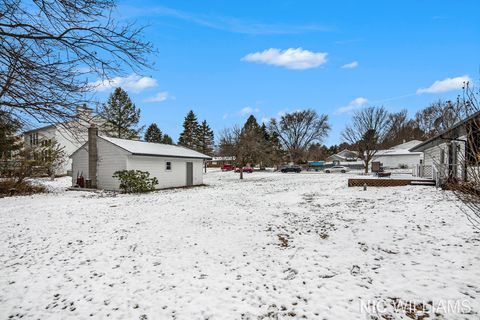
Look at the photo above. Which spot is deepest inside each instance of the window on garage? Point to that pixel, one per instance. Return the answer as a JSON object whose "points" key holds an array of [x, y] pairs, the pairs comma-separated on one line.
{"points": [[168, 165]]}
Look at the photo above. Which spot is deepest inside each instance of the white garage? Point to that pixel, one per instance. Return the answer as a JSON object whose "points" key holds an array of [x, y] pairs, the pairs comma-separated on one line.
{"points": [[399, 156], [99, 158]]}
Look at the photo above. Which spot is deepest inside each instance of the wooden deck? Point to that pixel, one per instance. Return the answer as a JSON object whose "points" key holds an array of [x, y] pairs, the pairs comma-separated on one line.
{"points": [[387, 182]]}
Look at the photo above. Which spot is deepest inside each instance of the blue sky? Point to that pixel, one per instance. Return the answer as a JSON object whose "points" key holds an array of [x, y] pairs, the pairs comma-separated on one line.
{"points": [[226, 60]]}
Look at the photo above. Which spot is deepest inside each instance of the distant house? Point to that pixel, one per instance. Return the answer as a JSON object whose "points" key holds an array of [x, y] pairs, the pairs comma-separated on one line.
{"points": [[343, 156], [99, 158], [452, 154], [399, 156], [69, 135]]}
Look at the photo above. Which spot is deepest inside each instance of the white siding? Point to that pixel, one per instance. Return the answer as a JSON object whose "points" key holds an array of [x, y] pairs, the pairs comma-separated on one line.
{"points": [[79, 164], [70, 144], [431, 156], [395, 161], [64, 138], [110, 159], [176, 177]]}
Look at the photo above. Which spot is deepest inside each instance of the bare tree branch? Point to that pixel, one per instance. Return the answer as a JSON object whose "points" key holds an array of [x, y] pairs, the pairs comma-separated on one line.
{"points": [[49, 47], [298, 130], [367, 132]]}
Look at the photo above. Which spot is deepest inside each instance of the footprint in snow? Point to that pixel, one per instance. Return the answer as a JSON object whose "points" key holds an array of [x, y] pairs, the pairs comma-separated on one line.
{"points": [[355, 270]]}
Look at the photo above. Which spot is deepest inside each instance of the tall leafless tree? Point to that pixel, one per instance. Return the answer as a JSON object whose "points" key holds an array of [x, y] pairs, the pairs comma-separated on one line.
{"points": [[367, 132], [401, 129], [48, 49], [246, 144], [230, 144], [468, 191], [298, 130], [439, 116]]}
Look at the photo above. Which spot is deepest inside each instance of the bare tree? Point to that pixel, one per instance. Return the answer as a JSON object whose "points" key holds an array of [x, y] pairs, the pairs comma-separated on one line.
{"points": [[401, 129], [367, 132], [247, 144], [230, 144], [468, 190], [49, 48], [298, 130], [439, 116]]}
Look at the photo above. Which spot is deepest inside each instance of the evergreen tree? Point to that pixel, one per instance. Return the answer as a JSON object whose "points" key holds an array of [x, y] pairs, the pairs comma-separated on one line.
{"points": [[252, 142], [264, 130], [271, 149], [189, 136], [252, 125], [153, 134], [122, 116], [167, 139], [205, 139], [10, 141]]}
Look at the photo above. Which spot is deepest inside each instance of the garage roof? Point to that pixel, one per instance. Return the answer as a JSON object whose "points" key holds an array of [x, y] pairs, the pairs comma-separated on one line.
{"points": [[143, 148]]}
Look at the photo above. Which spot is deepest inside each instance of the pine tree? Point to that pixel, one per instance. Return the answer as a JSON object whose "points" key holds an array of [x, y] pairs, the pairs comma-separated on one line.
{"points": [[189, 136], [264, 131], [122, 116], [251, 124], [167, 139], [10, 141], [252, 141], [153, 134], [205, 138]]}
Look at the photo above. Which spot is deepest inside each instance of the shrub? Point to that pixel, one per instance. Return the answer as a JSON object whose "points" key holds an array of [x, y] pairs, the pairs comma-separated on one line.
{"points": [[403, 166], [135, 181], [10, 186]]}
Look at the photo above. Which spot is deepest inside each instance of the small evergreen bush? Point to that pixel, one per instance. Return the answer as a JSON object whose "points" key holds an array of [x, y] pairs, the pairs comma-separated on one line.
{"points": [[135, 181]]}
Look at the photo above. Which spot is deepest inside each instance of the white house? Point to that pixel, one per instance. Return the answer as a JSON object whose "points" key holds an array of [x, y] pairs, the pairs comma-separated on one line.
{"points": [[399, 156], [101, 157], [343, 156], [452, 154], [69, 135]]}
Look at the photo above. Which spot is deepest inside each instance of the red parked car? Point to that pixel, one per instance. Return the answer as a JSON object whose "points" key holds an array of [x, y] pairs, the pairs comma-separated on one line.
{"points": [[245, 169], [228, 167]]}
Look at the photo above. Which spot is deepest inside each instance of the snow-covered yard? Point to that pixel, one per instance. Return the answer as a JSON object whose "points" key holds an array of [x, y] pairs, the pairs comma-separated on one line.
{"points": [[275, 245]]}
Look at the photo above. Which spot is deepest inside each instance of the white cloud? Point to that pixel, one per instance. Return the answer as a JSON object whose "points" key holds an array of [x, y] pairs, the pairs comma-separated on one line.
{"points": [[248, 110], [354, 104], [160, 97], [133, 82], [297, 59], [445, 85], [351, 65]]}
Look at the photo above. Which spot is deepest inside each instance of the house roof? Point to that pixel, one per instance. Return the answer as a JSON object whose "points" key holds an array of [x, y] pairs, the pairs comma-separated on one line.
{"points": [[143, 148], [39, 129], [441, 137], [344, 155], [348, 154], [395, 152], [407, 145], [400, 149]]}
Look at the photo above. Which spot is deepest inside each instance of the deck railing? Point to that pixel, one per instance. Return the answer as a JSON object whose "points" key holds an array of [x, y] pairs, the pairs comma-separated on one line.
{"points": [[423, 171]]}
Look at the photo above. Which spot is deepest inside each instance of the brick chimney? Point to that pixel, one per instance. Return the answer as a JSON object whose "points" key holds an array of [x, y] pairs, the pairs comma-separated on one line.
{"points": [[92, 154]]}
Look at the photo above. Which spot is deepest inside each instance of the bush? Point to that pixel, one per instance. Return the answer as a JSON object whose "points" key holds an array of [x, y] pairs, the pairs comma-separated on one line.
{"points": [[135, 181], [11, 186]]}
